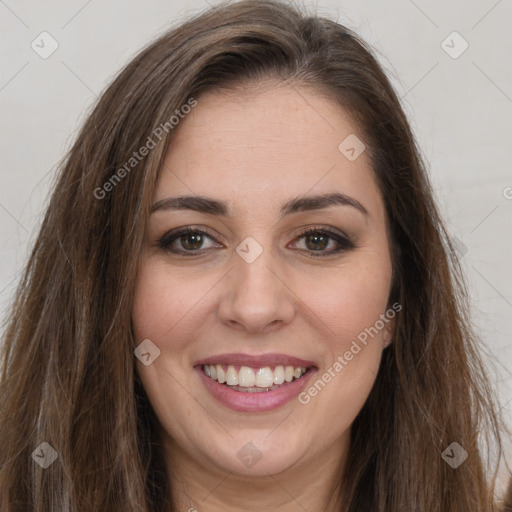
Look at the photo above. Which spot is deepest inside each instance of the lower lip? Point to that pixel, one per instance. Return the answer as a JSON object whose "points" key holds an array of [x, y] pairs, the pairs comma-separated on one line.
{"points": [[255, 402]]}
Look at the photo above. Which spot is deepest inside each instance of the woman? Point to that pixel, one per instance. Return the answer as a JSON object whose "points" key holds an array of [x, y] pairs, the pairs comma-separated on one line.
{"points": [[242, 296]]}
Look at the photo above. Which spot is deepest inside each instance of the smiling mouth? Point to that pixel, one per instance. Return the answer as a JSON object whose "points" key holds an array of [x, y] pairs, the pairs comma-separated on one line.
{"points": [[253, 380]]}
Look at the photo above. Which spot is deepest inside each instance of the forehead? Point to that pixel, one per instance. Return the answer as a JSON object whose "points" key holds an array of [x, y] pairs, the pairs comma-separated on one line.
{"points": [[259, 144]]}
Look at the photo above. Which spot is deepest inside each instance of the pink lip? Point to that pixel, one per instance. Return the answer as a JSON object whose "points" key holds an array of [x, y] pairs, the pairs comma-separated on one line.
{"points": [[255, 402], [255, 361]]}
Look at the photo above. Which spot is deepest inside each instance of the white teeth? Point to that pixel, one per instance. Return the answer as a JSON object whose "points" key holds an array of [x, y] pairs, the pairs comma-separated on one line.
{"points": [[279, 375], [231, 376], [264, 377], [248, 377], [288, 373], [221, 374]]}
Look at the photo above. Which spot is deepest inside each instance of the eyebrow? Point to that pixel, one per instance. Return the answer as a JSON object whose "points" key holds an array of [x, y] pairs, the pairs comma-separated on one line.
{"points": [[211, 206]]}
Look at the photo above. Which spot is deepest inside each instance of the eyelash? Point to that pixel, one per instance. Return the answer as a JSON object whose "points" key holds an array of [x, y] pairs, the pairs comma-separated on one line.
{"points": [[343, 241]]}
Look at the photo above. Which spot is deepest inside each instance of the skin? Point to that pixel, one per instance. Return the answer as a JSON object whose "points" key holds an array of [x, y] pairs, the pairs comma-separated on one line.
{"points": [[255, 148]]}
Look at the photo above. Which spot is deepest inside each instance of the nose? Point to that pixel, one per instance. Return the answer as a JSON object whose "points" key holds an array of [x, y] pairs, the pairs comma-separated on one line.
{"points": [[256, 298]]}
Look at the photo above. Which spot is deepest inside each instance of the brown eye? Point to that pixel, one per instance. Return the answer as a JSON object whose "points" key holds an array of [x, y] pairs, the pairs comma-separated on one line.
{"points": [[317, 241], [189, 241]]}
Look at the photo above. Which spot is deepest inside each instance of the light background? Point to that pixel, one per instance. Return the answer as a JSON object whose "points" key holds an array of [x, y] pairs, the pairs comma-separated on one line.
{"points": [[460, 109]]}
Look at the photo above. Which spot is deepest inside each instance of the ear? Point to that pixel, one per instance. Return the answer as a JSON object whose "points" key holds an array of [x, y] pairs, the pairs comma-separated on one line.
{"points": [[387, 334]]}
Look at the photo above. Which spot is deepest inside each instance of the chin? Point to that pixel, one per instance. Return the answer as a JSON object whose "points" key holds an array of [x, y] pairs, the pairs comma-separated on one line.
{"points": [[259, 453]]}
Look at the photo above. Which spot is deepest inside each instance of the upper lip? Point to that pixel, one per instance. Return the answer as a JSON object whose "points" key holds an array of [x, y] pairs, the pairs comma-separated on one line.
{"points": [[255, 361]]}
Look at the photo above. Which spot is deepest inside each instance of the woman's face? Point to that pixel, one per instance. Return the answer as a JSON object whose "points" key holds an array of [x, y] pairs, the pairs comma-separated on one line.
{"points": [[251, 291]]}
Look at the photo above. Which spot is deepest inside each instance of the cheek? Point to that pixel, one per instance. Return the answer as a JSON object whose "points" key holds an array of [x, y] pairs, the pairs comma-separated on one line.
{"points": [[164, 303], [349, 301], [162, 311]]}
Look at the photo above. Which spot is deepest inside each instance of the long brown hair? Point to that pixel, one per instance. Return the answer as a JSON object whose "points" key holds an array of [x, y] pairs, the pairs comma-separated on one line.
{"points": [[68, 374]]}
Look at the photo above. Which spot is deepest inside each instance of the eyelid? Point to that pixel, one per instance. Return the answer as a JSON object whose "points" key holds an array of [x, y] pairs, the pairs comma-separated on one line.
{"points": [[175, 234], [323, 229], [344, 241]]}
